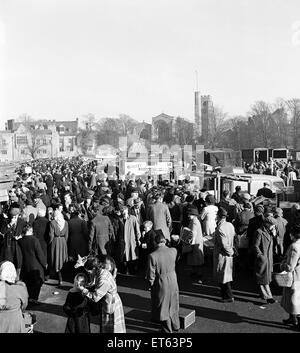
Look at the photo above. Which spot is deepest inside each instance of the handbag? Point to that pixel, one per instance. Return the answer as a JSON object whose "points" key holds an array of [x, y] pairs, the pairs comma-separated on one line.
{"points": [[186, 238], [283, 279]]}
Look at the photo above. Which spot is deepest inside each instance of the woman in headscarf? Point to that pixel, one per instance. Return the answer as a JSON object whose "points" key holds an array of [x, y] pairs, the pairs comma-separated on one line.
{"points": [[104, 286], [195, 258], [209, 216], [13, 300], [58, 237]]}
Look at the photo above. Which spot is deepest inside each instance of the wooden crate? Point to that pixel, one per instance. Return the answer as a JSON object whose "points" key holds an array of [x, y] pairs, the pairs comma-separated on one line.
{"points": [[186, 317]]}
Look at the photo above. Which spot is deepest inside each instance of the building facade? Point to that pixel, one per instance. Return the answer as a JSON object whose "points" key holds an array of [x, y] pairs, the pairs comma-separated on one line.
{"points": [[38, 139]]}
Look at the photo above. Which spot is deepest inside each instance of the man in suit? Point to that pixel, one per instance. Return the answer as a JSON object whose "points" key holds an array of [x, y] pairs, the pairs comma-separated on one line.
{"points": [[162, 278], [138, 210], [266, 191], [159, 214], [101, 234]]}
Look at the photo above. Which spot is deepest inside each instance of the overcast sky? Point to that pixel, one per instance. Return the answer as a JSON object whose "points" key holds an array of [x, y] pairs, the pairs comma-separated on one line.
{"points": [[61, 59]]}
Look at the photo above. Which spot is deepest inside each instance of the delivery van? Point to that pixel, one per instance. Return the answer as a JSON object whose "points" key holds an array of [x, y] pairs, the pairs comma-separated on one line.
{"points": [[254, 182]]}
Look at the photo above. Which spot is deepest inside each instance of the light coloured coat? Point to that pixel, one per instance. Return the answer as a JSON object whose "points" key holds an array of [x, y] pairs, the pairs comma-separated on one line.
{"points": [[132, 237], [291, 296], [208, 218], [196, 257], [223, 252]]}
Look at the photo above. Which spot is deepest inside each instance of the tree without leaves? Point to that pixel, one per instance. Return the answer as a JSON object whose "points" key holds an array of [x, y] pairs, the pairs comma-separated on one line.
{"points": [[90, 122], [220, 125], [294, 108], [85, 140], [34, 142]]}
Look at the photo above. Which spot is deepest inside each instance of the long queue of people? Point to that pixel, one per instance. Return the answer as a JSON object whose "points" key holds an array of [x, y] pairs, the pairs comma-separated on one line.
{"points": [[62, 213]]}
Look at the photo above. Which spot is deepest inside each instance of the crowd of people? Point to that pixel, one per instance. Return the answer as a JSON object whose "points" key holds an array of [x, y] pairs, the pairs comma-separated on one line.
{"points": [[65, 212], [285, 170]]}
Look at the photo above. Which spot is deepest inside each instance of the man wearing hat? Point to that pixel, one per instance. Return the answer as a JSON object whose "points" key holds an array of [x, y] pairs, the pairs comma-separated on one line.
{"points": [[242, 219], [134, 194], [266, 191], [162, 278], [101, 234], [263, 251], [255, 222], [229, 205], [189, 203], [138, 210], [223, 255], [237, 194], [159, 214]]}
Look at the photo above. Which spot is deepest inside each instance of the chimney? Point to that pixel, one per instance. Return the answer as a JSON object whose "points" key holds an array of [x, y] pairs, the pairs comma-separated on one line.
{"points": [[197, 115]]}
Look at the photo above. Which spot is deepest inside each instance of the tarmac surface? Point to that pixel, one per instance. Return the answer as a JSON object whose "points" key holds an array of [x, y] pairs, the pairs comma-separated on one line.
{"points": [[247, 314]]}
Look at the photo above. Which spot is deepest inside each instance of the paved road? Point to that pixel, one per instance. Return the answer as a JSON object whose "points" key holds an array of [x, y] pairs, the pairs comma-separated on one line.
{"points": [[246, 314]]}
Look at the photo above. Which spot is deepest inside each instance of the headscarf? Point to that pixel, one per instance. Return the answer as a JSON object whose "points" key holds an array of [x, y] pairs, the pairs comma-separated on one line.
{"points": [[41, 212], [59, 218], [8, 272]]}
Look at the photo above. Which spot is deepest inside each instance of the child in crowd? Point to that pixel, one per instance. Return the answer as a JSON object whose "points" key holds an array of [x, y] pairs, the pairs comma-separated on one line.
{"points": [[76, 307], [281, 230]]}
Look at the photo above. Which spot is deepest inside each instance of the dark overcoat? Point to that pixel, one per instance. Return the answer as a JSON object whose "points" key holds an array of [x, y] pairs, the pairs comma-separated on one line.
{"points": [[263, 250], [101, 235], [34, 260], [78, 237], [41, 232], [163, 280]]}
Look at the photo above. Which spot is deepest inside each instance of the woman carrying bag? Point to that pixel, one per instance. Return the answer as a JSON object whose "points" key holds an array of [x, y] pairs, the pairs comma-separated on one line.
{"points": [[291, 295]]}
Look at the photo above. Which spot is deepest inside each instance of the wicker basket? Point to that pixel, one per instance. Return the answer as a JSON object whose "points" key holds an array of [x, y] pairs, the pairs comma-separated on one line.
{"points": [[283, 279]]}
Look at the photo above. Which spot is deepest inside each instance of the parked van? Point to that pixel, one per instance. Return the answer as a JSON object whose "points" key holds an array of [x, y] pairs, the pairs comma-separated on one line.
{"points": [[256, 182]]}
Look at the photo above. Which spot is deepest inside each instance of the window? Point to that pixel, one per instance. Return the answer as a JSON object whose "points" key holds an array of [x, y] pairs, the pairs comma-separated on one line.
{"points": [[70, 140], [22, 151], [21, 140], [61, 129], [4, 152], [44, 151], [61, 149], [44, 141]]}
